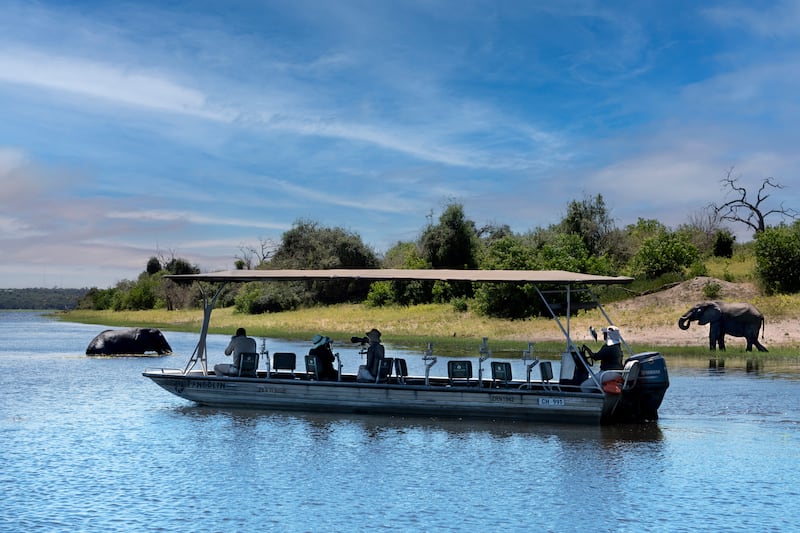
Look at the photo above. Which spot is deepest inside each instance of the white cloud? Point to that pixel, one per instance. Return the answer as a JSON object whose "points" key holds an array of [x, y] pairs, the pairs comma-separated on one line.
{"points": [[121, 85]]}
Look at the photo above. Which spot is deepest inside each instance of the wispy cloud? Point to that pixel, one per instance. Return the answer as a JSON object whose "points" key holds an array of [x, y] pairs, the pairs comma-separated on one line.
{"points": [[198, 129]]}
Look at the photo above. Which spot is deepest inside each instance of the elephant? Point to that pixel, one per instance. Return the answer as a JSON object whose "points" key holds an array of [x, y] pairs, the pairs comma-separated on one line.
{"points": [[129, 341], [736, 319]]}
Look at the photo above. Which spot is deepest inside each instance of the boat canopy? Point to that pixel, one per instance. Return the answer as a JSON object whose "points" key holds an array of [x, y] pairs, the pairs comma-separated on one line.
{"points": [[537, 277], [383, 274]]}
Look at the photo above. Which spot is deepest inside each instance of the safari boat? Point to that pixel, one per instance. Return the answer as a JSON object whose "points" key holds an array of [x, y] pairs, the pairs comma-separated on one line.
{"points": [[580, 394]]}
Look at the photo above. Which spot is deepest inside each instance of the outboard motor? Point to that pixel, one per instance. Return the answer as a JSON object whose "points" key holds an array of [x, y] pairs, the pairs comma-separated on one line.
{"points": [[642, 400]]}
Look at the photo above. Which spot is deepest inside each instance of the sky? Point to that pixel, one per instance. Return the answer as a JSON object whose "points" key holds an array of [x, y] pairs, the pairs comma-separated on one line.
{"points": [[198, 129]]}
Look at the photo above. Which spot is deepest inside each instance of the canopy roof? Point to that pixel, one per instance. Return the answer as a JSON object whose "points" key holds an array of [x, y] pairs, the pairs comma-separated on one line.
{"points": [[378, 274]]}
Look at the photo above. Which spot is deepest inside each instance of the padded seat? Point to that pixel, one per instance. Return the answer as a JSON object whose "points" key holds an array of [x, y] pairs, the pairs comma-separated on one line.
{"points": [[384, 370], [312, 367], [459, 372], [284, 361], [248, 365], [501, 372], [400, 370]]}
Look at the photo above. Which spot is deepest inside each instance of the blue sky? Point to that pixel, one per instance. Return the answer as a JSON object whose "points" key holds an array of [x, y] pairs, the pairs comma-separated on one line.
{"points": [[197, 128]]}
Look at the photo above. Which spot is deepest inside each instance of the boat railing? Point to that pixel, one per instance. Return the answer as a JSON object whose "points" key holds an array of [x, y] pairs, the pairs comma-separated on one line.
{"points": [[429, 359], [165, 371]]}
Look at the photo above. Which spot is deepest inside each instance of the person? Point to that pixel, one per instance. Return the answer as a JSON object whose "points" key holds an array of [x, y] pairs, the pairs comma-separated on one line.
{"points": [[375, 351], [610, 354], [321, 347], [240, 343]]}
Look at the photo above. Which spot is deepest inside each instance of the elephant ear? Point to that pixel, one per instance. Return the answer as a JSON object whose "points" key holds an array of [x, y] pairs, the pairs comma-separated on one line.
{"points": [[711, 313]]}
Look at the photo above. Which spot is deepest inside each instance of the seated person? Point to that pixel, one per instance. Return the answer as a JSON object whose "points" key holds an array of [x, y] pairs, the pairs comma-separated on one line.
{"points": [[240, 343], [375, 351], [610, 354], [321, 347]]}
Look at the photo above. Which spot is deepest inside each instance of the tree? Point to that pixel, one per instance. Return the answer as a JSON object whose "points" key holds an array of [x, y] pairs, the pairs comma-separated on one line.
{"points": [[663, 253], [777, 251], [308, 245], [750, 212], [591, 221], [153, 265], [453, 243]]}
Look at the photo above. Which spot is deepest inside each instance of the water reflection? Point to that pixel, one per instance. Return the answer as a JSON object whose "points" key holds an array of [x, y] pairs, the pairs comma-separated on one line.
{"points": [[102, 447]]}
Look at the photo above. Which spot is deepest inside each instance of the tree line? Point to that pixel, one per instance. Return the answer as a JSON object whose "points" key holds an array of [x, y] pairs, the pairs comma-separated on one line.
{"points": [[40, 298], [585, 240]]}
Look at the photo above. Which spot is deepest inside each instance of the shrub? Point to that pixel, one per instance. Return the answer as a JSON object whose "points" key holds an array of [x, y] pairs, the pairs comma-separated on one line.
{"points": [[777, 251], [663, 253], [711, 290]]}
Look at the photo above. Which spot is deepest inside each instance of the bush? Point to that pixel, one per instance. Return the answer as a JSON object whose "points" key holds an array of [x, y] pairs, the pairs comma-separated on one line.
{"points": [[777, 251], [663, 253], [256, 298], [711, 290], [380, 294]]}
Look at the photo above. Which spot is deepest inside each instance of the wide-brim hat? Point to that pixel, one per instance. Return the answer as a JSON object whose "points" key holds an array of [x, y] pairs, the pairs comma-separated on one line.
{"points": [[319, 340], [612, 335], [373, 333]]}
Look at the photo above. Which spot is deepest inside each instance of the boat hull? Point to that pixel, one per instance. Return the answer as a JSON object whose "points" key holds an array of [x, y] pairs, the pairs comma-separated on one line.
{"points": [[388, 398]]}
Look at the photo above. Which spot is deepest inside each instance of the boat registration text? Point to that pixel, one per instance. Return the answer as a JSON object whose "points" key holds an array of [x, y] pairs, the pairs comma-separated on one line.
{"points": [[552, 402]]}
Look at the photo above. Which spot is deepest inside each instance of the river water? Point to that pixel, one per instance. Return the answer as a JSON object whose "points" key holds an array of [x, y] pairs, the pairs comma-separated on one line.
{"points": [[88, 444]]}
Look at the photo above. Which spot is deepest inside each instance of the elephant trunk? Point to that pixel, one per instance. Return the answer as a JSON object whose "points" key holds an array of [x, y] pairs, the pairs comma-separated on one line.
{"points": [[683, 322]]}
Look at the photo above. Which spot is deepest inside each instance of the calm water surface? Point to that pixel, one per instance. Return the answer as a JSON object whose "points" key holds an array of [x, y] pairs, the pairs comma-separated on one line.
{"points": [[88, 444]]}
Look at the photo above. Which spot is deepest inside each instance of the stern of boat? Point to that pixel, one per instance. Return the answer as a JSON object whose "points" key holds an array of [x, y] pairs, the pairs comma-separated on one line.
{"points": [[645, 380]]}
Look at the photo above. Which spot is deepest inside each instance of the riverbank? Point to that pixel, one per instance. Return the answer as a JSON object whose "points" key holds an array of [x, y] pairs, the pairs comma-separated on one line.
{"points": [[648, 322]]}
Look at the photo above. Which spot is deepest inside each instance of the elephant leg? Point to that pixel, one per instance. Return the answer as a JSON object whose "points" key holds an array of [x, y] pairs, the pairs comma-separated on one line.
{"points": [[760, 347], [722, 342]]}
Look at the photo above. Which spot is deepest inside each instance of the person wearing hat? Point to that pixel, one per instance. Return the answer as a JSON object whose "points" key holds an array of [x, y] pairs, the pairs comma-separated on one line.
{"points": [[321, 347], [610, 354], [375, 351]]}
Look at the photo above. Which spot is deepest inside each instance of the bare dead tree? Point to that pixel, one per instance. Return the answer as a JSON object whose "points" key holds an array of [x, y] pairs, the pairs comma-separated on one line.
{"points": [[750, 212], [251, 257]]}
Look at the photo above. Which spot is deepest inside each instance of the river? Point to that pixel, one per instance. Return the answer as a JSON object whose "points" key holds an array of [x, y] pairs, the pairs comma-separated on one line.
{"points": [[88, 444]]}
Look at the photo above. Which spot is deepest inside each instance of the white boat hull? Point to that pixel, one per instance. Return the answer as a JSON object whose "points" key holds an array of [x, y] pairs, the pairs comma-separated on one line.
{"points": [[388, 398]]}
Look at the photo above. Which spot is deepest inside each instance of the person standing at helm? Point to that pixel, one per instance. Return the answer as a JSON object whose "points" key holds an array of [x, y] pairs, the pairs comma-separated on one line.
{"points": [[610, 354]]}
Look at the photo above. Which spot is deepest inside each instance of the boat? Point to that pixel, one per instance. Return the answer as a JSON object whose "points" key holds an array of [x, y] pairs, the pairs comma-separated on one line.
{"points": [[581, 393]]}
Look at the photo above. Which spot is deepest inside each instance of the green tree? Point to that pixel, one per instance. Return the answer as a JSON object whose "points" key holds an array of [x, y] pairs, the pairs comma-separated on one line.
{"points": [[663, 253], [153, 265], [777, 252], [308, 245], [453, 242], [592, 222], [506, 300]]}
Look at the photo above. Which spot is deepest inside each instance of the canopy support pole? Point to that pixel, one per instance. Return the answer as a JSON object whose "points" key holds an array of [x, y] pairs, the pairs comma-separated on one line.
{"points": [[200, 352]]}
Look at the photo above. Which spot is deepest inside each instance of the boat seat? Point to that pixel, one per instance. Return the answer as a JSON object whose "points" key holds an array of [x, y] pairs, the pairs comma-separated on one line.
{"points": [[312, 367], [630, 374], [384, 370], [501, 373], [284, 361], [400, 369], [248, 365], [459, 372]]}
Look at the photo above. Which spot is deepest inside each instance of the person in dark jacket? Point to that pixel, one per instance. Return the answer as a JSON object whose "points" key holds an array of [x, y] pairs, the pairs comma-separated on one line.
{"points": [[321, 347]]}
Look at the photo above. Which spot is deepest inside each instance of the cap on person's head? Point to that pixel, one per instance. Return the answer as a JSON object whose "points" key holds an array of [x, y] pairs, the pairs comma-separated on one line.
{"points": [[374, 334], [319, 340], [241, 332], [612, 335]]}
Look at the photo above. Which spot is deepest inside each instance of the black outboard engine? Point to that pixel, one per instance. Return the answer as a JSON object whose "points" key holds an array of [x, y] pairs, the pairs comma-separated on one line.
{"points": [[641, 402]]}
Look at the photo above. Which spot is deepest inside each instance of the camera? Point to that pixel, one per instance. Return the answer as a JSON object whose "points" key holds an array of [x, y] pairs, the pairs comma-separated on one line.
{"points": [[361, 340]]}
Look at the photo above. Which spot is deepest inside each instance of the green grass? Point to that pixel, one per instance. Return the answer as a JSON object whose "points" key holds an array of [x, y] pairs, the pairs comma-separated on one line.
{"points": [[451, 332]]}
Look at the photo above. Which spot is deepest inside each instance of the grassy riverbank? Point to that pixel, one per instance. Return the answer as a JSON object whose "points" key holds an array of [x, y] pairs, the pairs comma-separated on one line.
{"points": [[452, 332]]}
